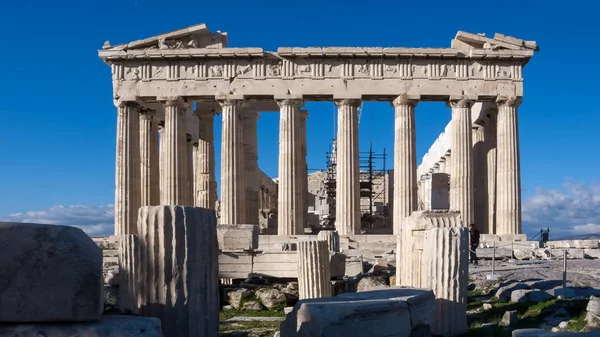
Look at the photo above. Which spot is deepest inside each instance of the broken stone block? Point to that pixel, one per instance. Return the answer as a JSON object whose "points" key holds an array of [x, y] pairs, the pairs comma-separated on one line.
{"points": [[372, 282], [388, 312], [420, 302], [591, 253], [252, 305], [509, 318], [271, 298], [109, 325], [49, 273], [236, 297], [337, 264], [585, 244], [593, 312], [235, 238], [523, 254], [354, 267]]}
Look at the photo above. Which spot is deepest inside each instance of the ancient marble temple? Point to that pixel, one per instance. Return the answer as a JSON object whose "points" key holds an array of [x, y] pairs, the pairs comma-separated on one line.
{"points": [[168, 88]]}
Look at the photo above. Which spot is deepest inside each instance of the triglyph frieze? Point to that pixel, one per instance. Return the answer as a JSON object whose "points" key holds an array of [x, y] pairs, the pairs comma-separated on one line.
{"points": [[321, 69]]}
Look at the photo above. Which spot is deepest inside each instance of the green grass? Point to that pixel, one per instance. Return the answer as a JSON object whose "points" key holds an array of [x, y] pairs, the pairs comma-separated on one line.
{"points": [[530, 316], [476, 292], [224, 315], [537, 309], [239, 326], [474, 305], [576, 324]]}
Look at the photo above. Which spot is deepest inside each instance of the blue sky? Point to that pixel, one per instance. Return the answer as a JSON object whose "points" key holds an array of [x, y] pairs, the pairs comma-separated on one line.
{"points": [[58, 138]]}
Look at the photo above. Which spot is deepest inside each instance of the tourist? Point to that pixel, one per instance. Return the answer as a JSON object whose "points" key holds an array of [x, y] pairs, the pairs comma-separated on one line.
{"points": [[474, 235]]}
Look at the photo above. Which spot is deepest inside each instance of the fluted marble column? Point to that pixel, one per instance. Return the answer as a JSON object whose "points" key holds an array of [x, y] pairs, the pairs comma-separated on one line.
{"points": [[233, 203], [332, 238], [189, 171], [314, 274], [290, 201], [405, 161], [347, 195], [490, 141], [161, 157], [303, 176], [461, 176], [178, 269], [205, 191], [249, 119], [480, 179], [127, 172], [445, 271], [150, 174], [129, 273], [175, 162], [508, 192]]}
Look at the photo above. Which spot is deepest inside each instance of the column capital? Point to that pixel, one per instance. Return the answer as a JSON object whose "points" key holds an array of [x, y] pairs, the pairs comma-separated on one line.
{"points": [[404, 99], [129, 102], [229, 101], [354, 102], [147, 114], [511, 101], [461, 103], [176, 101], [294, 102]]}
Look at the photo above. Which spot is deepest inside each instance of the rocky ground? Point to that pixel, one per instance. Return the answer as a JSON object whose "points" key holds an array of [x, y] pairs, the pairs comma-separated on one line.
{"points": [[523, 296], [531, 295]]}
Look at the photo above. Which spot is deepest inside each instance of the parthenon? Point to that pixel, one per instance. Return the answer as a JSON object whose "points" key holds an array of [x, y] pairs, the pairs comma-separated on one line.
{"points": [[165, 152]]}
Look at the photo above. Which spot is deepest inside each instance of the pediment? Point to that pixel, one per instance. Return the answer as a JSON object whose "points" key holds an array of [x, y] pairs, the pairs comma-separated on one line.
{"points": [[464, 40], [198, 36]]}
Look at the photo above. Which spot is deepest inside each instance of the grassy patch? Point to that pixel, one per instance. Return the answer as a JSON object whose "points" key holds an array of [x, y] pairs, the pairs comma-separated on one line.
{"points": [[537, 309], [227, 314], [530, 316], [239, 326], [577, 323], [476, 292], [474, 305]]}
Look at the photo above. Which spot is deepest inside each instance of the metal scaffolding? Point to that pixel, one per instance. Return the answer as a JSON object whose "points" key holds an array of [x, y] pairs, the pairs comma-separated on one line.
{"points": [[372, 173]]}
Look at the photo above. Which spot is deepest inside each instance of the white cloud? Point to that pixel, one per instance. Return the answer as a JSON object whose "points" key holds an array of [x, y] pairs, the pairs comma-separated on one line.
{"points": [[573, 209], [95, 220]]}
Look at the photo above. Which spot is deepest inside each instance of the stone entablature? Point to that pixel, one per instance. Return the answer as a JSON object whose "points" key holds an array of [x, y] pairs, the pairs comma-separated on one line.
{"points": [[319, 73]]}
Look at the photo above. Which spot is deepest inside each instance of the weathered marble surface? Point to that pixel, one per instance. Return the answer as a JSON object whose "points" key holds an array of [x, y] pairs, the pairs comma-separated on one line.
{"points": [[179, 269], [49, 273], [445, 271], [237, 237], [314, 274], [111, 325], [382, 312]]}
